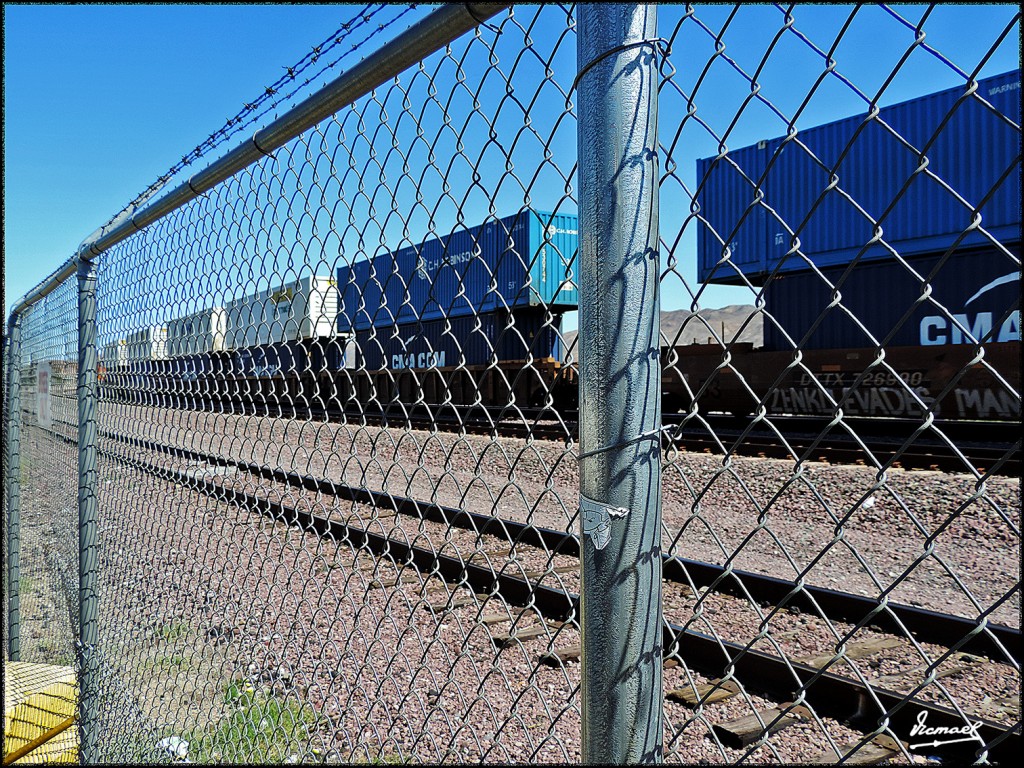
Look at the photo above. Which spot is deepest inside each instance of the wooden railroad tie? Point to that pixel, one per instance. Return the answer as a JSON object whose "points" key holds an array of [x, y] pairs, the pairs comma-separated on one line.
{"points": [[494, 618], [858, 650], [559, 656], [720, 690], [897, 677], [744, 731], [500, 641], [873, 752], [435, 585], [557, 569], [493, 554], [405, 578], [716, 690], [458, 602], [477, 557]]}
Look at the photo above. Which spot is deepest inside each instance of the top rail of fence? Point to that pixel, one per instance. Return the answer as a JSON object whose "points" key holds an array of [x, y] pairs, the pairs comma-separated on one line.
{"points": [[440, 28]]}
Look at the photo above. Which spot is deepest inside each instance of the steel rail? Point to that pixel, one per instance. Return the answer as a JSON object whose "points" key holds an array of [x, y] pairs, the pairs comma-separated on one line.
{"points": [[440, 28], [860, 705], [1000, 456], [997, 642]]}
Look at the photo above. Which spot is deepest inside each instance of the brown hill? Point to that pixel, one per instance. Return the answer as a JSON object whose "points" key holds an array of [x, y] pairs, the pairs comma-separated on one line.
{"points": [[680, 327]]}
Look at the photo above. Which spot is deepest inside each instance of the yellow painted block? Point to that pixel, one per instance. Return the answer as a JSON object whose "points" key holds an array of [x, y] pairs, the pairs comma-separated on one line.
{"points": [[38, 699]]}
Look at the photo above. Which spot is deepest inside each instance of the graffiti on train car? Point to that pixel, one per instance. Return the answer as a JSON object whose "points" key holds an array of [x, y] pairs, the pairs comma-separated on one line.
{"points": [[980, 402], [986, 403], [855, 401]]}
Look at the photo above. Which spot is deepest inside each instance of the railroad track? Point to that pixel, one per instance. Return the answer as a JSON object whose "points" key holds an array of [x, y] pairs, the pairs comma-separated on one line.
{"points": [[731, 668], [989, 447]]}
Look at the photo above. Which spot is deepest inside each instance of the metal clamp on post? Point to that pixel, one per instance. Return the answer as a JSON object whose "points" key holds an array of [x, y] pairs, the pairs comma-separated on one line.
{"points": [[597, 520]]}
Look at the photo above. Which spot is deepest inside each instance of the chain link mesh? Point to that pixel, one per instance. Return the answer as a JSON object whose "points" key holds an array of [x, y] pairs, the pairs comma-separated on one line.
{"points": [[317, 541], [48, 583], [795, 222], [338, 482]]}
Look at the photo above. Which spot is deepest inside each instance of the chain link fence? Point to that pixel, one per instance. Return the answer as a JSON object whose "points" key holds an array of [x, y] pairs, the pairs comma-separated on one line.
{"points": [[877, 259], [398, 458], [48, 544]]}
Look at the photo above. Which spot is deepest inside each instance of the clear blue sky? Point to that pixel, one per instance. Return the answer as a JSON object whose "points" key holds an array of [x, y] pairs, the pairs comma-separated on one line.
{"points": [[100, 100]]}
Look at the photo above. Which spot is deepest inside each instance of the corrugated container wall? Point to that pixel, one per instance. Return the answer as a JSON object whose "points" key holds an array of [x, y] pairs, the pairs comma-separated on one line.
{"points": [[516, 262], [148, 343], [307, 356], [306, 308], [197, 333], [972, 151], [979, 289], [115, 354], [472, 340]]}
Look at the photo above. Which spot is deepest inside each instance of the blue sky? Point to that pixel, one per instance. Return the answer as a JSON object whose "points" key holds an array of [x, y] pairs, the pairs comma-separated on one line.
{"points": [[101, 100]]}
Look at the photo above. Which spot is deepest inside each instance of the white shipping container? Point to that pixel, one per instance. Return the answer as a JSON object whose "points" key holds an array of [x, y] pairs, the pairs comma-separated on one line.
{"points": [[148, 344], [115, 354], [198, 333], [304, 309]]}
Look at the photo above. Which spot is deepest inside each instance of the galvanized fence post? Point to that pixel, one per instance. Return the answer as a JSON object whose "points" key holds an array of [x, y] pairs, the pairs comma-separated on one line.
{"points": [[88, 560], [13, 416], [620, 392]]}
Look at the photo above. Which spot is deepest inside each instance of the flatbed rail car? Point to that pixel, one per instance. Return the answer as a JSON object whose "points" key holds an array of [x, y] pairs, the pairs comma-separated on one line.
{"points": [[541, 382], [507, 382]]}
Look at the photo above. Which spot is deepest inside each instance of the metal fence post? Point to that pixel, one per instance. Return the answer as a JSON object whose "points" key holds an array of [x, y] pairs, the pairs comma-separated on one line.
{"points": [[88, 598], [620, 384], [13, 424]]}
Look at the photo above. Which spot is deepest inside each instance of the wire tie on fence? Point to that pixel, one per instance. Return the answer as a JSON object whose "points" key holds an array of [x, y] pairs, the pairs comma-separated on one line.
{"points": [[480, 22], [260, 149], [660, 44], [597, 520], [656, 432]]}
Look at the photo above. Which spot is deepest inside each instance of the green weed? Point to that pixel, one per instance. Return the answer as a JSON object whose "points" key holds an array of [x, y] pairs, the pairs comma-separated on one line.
{"points": [[173, 631], [258, 728]]}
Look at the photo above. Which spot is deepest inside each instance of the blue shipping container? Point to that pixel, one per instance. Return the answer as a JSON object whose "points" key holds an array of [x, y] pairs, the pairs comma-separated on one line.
{"points": [[307, 356], [516, 262], [471, 341], [972, 152], [978, 289]]}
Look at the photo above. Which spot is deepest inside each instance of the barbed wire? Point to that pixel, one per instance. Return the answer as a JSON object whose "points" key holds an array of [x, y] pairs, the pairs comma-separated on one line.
{"points": [[272, 96]]}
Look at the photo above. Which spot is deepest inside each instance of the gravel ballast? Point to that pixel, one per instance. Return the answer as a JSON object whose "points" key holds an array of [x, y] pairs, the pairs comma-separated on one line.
{"points": [[244, 600]]}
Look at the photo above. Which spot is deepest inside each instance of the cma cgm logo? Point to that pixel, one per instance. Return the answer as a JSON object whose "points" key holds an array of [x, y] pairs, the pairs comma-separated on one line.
{"points": [[422, 360], [939, 329]]}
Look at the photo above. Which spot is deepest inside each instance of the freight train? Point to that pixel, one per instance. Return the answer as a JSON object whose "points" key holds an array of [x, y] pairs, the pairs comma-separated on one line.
{"points": [[884, 327], [472, 318], [861, 256]]}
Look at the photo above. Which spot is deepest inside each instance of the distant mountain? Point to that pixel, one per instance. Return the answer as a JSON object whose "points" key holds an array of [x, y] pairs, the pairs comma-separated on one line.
{"points": [[682, 327]]}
